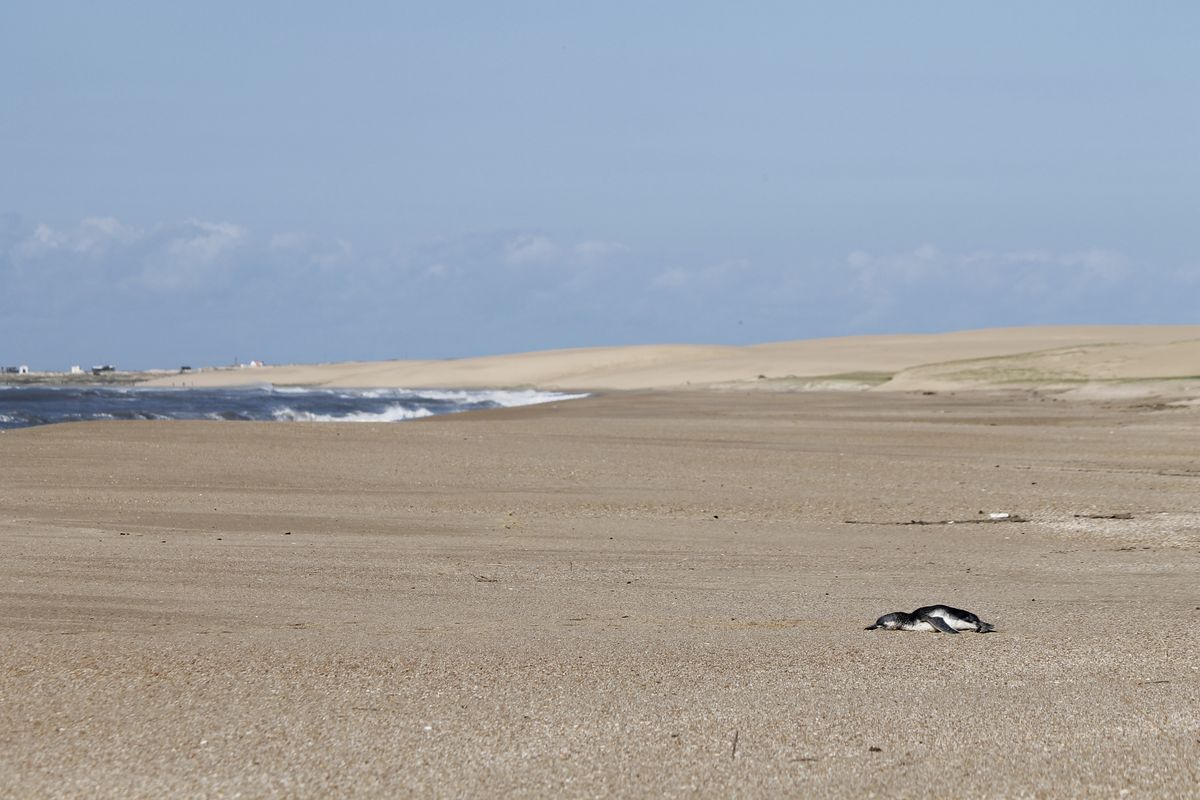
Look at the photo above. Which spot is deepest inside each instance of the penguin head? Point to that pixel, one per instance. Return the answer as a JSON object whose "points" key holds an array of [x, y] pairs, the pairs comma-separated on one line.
{"points": [[889, 622]]}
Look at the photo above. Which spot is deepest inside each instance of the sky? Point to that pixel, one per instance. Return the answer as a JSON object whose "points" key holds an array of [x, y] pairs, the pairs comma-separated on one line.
{"points": [[198, 183]]}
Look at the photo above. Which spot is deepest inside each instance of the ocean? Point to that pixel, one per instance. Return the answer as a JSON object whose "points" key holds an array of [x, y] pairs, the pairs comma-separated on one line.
{"points": [[25, 406]]}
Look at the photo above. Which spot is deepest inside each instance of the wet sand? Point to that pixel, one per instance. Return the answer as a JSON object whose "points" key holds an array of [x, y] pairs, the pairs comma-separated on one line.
{"points": [[640, 594]]}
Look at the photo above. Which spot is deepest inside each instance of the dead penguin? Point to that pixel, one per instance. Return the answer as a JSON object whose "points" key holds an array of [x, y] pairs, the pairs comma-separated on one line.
{"points": [[941, 619]]}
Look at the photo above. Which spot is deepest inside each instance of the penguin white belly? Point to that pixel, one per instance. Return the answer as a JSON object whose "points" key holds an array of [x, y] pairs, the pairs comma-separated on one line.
{"points": [[921, 625], [958, 623]]}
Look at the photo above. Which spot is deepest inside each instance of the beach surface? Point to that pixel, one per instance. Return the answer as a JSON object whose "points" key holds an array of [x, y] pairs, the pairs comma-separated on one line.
{"points": [[633, 594]]}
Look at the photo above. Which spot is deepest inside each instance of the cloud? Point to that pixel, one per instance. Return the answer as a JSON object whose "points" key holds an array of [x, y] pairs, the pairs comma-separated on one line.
{"points": [[205, 242], [713, 276], [530, 250], [103, 253], [290, 242], [93, 237], [224, 282], [1034, 285], [333, 255], [928, 261], [595, 249], [301, 248], [216, 286], [193, 255], [670, 278], [96, 235], [476, 253]]}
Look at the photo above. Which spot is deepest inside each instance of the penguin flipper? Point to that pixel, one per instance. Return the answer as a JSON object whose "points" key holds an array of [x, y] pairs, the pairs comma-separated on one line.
{"points": [[939, 623]]}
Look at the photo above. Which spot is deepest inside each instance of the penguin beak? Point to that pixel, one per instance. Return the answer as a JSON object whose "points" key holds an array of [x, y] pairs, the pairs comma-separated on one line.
{"points": [[871, 627]]}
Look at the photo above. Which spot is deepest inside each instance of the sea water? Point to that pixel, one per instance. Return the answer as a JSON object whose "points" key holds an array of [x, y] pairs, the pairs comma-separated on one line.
{"points": [[24, 406]]}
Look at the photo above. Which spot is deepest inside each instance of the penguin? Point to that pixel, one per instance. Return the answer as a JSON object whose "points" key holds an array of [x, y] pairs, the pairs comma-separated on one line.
{"points": [[939, 618]]}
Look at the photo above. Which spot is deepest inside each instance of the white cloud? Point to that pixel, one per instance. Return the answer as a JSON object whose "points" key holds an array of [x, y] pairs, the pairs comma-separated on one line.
{"points": [[927, 252], [859, 259], [909, 267], [43, 240], [205, 242], [1033, 283], [711, 277], [595, 249], [727, 268], [338, 254], [928, 261], [298, 250], [671, 278], [530, 250], [93, 237], [1105, 264], [193, 256], [99, 233], [289, 242]]}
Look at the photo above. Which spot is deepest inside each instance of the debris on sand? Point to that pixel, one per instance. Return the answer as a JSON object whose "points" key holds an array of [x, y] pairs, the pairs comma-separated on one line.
{"points": [[991, 518]]}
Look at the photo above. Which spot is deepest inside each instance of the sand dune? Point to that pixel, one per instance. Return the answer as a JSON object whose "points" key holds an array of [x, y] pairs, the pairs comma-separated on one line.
{"points": [[1006, 356]]}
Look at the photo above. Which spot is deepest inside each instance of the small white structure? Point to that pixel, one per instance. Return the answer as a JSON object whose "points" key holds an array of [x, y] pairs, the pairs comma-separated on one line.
{"points": [[23, 369], [76, 369]]}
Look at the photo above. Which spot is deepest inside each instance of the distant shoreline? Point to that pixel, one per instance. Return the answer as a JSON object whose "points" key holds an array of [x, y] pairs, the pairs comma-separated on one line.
{"points": [[80, 379]]}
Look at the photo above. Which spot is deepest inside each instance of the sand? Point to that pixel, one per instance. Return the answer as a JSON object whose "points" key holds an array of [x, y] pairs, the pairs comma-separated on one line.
{"points": [[634, 594], [1039, 356]]}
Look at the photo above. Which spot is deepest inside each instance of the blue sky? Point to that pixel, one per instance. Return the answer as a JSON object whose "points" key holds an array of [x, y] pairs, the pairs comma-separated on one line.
{"points": [[190, 183]]}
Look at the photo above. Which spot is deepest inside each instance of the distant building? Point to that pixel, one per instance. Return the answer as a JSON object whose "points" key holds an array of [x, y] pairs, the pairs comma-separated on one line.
{"points": [[185, 369], [254, 362], [101, 368], [76, 369], [10, 370], [23, 369]]}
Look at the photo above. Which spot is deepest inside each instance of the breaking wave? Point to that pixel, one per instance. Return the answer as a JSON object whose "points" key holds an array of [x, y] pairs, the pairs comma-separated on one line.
{"points": [[25, 406], [395, 413]]}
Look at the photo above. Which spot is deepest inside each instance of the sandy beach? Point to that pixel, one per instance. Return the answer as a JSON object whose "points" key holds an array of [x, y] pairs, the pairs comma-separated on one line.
{"points": [[650, 592]]}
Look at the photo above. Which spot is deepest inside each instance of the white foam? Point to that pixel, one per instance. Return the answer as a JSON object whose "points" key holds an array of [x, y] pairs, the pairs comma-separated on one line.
{"points": [[394, 413], [506, 398]]}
